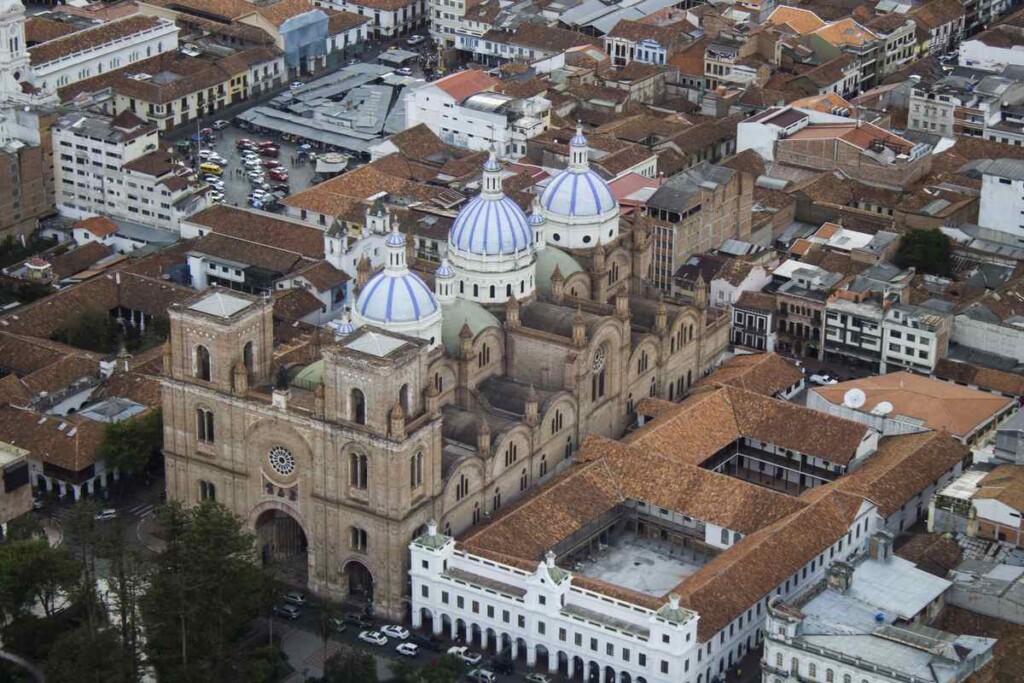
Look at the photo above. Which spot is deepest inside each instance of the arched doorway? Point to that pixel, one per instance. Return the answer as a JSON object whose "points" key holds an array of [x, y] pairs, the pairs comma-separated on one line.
{"points": [[360, 583], [283, 546]]}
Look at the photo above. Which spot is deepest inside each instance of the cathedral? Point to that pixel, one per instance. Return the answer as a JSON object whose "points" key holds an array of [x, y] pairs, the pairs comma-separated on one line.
{"points": [[439, 395]]}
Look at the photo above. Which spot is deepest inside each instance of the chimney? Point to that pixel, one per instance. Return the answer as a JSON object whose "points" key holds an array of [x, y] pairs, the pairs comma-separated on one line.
{"points": [[483, 436], [280, 398], [673, 600], [532, 406], [880, 546], [840, 576], [512, 313], [549, 559]]}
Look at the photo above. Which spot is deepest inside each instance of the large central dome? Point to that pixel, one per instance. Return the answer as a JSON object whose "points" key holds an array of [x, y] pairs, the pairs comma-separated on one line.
{"points": [[578, 191], [491, 224]]}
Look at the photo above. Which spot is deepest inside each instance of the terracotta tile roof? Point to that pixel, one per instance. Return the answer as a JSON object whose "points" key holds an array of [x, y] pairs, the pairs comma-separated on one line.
{"points": [[250, 253], [902, 467], [418, 142], [690, 60], [262, 228], [461, 85], [335, 196], [100, 226], [759, 301], [252, 35], [91, 38], [802, 21], [1006, 383], [933, 553], [323, 276], [40, 30], [939, 405], [1005, 484], [846, 32], [669, 36], [547, 38], [13, 392], [712, 418], [763, 373], [825, 103], [225, 9], [141, 387], [61, 374], [295, 304], [738, 578], [281, 11], [67, 442]]}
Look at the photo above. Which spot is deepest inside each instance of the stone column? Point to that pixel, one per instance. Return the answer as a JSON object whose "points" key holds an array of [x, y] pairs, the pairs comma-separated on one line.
{"points": [[514, 647], [531, 655], [437, 623], [484, 639], [76, 492], [455, 629], [417, 618], [572, 668], [552, 662]]}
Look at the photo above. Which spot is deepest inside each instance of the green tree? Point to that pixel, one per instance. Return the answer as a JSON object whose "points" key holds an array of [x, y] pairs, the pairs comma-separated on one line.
{"points": [[127, 577], [79, 656], [205, 589], [445, 669], [350, 666], [130, 444], [92, 330], [31, 572], [25, 527], [929, 251]]}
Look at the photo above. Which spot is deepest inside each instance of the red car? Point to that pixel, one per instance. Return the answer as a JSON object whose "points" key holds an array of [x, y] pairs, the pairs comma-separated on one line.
{"points": [[242, 142], [278, 174], [271, 163], [271, 151], [266, 143]]}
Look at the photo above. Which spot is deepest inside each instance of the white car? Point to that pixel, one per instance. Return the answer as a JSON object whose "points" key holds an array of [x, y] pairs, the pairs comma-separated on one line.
{"points": [[295, 598], [103, 515], [218, 159], [394, 631], [372, 637], [822, 380], [296, 84], [205, 154], [407, 649], [404, 71], [537, 678], [415, 40], [260, 194], [216, 196], [464, 653], [220, 124]]}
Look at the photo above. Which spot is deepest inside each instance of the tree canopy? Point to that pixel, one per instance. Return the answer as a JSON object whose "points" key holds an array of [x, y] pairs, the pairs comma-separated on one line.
{"points": [[928, 251], [128, 445]]}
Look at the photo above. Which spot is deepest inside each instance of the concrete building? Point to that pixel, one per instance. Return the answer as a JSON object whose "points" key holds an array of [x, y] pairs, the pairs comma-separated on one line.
{"points": [[463, 110], [111, 166], [15, 491], [801, 302], [754, 322], [868, 620], [389, 18], [696, 211], [915, 337], [984, 502], [853, 330], [1002, 200]]}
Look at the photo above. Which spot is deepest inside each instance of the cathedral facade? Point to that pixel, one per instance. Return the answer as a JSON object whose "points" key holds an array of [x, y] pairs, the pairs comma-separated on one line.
{"points": [[441, 401]]}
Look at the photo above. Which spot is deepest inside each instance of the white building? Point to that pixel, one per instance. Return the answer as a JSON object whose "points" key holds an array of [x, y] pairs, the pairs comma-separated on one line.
{"points": [[914, 337], [19, 126], [868, 622], [113, 167], [463, 111], [94, 51], [389, 18], [1001, 213]]}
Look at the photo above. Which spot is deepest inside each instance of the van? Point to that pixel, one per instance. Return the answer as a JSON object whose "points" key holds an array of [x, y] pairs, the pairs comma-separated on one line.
{"points": [[209, 167]]}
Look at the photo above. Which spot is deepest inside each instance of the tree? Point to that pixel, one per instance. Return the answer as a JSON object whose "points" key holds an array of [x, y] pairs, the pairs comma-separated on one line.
{"points": [[25, 527], [129, 445], [205, 589], [929, 251], [445, 669], [80, 657], [350, 666], [31, 573], [92, 330]]}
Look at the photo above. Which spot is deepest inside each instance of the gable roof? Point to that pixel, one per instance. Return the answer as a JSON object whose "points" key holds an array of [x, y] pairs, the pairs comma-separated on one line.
{"points": [[763, 373]]}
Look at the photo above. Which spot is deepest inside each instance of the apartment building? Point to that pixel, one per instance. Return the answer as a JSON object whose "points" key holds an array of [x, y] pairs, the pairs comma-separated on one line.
{"points": [[915, 337]]}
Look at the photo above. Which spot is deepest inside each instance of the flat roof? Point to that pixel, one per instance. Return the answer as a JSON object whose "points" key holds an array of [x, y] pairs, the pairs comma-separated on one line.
{"points": [[643, 565], [220, 305], [375, 344]]}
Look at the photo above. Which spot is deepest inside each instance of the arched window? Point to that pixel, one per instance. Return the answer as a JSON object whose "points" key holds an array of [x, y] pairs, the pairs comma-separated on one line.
{"points": [[403, 398], [476, 291], [484, 357], [447, 528], [204, 425], [830, 676], [439, 383], [247, 356], [523, 480], [654, 387], [794, 665], [416, 471], [462, 488], [557, 422], [812, 670], [543, 464], [357, 539], [202, 368], [629, 403], [358, 407], [476, 513], [496, 501], [511, 454], [508, 290], [493, 292], [357, 473], [568, 446], [207, 491], [598, 376], [642, 363], [847, 678], [778, 660]]}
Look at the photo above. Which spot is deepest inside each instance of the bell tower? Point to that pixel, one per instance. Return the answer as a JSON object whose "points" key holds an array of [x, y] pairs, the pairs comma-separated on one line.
{"points": [[14, 67]]}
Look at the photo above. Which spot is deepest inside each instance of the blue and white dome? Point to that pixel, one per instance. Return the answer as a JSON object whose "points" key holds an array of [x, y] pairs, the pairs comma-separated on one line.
{"points": [[397, 299], [491, 224], [578, 191]]}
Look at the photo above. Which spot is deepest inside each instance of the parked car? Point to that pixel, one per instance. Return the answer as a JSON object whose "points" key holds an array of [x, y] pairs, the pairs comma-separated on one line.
{"points": [[415, 40], [218, 159], [481, 676], [282, 187], [822, 380], [503, 664], [403, 71], [359, 620], [108, 513], [270, 163], [537, 678], [279, 175], [427, 642], [266, 143], [287, 611], [221, 124], [394, 631], [407, 649], [373, 637], [337, 625], [216, 196], [205, 154], [293, 598], [464, 653], [259, 195], [295, 84], [242, 142], [270, 151]]}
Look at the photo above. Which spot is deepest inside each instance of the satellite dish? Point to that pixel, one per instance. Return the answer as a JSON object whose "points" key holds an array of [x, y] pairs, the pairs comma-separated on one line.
{"points": [[854, 398], [883, 408]]}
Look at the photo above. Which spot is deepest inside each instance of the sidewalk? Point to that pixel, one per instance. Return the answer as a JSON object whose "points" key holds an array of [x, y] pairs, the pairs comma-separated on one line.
{"points": [[306, 655], [147, 531]]}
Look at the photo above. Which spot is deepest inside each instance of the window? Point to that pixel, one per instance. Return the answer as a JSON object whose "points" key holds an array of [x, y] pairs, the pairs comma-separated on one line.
{"points": [[357, 539], [490, 611], [357, 471], [475, 607], [444, 597], [523, 480], [641, 659], [556, 422], [597, 380], [543, 464], [460, 602], [357, 406], [202, 363], [562, 635], [476, 513], [416, 471], [830, 676], [484, 357], [593, 644], [204, 425], [664, 666], [725, 537], [462, 488], [496, 502], [207, 491], [778, 660], [609, 649], [247, 356], [794, 665], [812, 670], [578, 639], [625, 654]]}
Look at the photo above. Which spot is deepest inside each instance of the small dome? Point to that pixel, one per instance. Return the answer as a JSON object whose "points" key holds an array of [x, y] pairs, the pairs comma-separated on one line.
{"points": [[536, 218], [395, 298], [491, 224], [395, 239], [444, 270], [578, 191]]}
